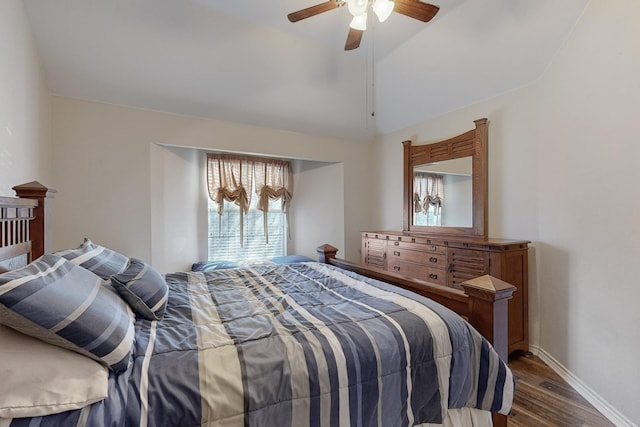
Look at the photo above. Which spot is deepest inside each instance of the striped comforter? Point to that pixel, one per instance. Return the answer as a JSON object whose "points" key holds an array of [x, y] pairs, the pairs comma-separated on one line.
{"points": [[296, 345]]}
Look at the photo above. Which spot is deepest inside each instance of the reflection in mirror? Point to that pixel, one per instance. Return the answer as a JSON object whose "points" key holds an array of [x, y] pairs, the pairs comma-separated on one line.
{"points": [[443, 193]]}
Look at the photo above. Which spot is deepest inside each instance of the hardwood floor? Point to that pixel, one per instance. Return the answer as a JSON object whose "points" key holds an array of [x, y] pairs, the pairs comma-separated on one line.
{"points": [[543, 398]]}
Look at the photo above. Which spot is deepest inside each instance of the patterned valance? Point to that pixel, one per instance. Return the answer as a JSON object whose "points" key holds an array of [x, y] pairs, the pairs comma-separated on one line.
{"points": [[232, 177], [428, 190]]}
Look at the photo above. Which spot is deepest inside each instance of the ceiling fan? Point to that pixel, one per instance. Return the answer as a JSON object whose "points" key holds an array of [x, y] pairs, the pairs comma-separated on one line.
{"points": [[358, 8]]}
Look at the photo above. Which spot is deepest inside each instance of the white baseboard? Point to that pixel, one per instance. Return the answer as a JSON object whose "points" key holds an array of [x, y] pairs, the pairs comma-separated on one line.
{"points": [[585, 391]]}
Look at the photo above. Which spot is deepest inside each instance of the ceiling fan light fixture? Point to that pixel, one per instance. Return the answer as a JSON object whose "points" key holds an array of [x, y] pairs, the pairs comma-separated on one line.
{"points": [[359, 22], [416, 9], [357, 7], [383, 9]]}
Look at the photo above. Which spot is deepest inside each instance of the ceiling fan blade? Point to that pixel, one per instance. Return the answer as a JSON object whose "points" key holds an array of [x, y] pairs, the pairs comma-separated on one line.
{"points": [[313, 10], [353, 39], [416, 9]]}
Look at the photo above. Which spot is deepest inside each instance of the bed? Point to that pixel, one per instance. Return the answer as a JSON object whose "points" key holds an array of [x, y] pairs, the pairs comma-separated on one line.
{"points": [[266, 344]]}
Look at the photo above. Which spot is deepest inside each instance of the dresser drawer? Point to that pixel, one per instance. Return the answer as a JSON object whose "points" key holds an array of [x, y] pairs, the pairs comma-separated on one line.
{"points": [[435, 275], [434, 260], [428, 259], [435, 249], [423, 247], [422, 272], [398, 253]]}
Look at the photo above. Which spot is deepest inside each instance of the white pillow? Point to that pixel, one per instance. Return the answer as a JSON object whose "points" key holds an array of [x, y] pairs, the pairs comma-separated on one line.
{"points": [[41, 379]]}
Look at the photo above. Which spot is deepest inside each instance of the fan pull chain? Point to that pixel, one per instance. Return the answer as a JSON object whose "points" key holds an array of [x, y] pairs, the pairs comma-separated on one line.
{"points": [[373, 71]]}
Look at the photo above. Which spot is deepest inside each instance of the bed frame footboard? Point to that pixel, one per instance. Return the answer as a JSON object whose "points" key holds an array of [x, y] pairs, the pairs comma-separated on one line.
{"points": [[483, 302]]}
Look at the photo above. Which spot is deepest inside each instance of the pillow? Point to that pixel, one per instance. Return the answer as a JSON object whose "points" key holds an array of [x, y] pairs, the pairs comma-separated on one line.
{"points": [[58, 302], [213, 265], [97, 259], [41, 379], [290, 259], [143, 288]]}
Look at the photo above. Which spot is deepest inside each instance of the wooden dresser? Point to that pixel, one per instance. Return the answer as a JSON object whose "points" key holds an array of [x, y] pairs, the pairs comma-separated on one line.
{"points": [[449, 261]]}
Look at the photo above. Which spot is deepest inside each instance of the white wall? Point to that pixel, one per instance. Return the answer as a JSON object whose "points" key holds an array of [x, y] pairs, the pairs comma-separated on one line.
{"points": [[589, 203], [563, 173], [129, 179], [25, 111], [178, 214], [318, 206]]}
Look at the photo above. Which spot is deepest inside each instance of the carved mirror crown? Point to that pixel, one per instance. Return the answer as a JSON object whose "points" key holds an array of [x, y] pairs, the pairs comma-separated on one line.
{"points": [[468, 189]]}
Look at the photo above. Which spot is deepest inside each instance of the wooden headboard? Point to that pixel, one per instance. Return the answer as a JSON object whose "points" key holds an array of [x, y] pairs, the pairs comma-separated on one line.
{"points": [[24, 231]]}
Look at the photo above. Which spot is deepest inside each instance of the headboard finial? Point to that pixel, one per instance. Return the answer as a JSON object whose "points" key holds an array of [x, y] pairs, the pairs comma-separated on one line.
{"points": [[39, 229], [33, 188]]}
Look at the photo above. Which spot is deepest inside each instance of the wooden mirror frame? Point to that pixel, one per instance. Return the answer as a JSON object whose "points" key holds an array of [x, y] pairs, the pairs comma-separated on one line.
{"points": [[471, 143]]}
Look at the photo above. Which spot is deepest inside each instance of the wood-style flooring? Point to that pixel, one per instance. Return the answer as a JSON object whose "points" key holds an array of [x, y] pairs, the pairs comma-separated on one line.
{"points": [[543, 398]]}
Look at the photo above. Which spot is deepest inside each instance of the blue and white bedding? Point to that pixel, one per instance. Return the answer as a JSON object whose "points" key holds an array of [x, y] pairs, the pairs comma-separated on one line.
{"points": [[296, 345]]}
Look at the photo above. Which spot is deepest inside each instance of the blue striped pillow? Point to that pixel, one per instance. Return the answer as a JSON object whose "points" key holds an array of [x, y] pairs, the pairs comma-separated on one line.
{"points": [[58, 302], [143, 288], [97, 259]]}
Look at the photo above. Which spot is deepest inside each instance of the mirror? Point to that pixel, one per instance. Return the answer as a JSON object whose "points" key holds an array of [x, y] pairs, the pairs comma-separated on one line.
{"points": [[445, 185], [443, 193]]}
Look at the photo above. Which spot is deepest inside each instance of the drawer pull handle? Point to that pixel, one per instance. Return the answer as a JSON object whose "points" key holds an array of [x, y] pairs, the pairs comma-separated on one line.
{"points": [[396, 267], [396, 253], [433, 259], [450, 268], [396, 243], [433, 248], [433, 276]]}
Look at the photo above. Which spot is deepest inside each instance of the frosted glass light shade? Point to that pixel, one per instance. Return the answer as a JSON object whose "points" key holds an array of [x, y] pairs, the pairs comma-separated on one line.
{"points": [[357, 7], [359, 22], [383, 9]]}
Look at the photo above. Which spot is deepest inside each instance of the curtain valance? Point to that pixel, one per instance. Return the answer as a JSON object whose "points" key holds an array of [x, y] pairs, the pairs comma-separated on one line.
{"points": [[428, 190], [232, 178]]}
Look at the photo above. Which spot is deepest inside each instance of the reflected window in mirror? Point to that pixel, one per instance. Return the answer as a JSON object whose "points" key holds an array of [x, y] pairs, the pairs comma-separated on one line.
{"points": [[443, 193], [428, 198]]}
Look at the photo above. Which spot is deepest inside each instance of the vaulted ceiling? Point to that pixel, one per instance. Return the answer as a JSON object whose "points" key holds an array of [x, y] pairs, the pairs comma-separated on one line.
{"points": [[243, 61]]}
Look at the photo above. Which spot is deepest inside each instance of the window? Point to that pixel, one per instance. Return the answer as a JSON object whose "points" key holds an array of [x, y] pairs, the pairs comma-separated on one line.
{"points": [[224, 232], [248, 207]]}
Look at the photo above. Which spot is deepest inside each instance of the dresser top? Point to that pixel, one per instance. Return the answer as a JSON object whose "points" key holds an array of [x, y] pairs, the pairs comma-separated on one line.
{"points": [[431, 239]]}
